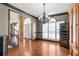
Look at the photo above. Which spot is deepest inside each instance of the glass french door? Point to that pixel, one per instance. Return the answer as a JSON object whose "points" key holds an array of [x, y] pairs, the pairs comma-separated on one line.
{"points": [[45, 31], [52, 31]]}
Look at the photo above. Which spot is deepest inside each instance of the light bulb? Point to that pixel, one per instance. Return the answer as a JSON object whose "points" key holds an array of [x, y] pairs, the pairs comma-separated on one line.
{"points": [[48, 17]]}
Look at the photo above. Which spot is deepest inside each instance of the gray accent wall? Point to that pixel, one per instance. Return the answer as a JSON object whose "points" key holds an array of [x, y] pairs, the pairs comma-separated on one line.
{"points": [[39, 29], [3, 20]]}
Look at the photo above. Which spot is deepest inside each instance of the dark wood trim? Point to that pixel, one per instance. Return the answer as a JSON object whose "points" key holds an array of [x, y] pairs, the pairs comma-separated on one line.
{"points": [[13, 7], [8, 28], [46, 40], [15, 11], [58, 14], [37, 32], [8, 22], [28, 38]]}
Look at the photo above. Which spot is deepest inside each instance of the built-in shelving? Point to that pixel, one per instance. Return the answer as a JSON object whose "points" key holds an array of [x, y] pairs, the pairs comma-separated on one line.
{"points": [[64, 35]]}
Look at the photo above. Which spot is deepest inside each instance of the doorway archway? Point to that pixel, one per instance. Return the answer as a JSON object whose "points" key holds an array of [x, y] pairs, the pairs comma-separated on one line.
{"points": [[27, 28]]}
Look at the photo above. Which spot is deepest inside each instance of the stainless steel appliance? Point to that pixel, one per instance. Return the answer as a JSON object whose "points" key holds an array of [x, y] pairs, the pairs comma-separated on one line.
{"points": [[3, 45]]}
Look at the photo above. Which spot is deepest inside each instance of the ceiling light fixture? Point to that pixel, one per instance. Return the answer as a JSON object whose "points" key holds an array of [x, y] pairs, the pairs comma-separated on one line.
{"points": [[44, 18]]}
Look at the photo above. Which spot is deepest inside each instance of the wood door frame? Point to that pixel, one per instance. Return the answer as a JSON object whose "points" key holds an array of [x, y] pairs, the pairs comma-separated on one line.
{"points": [[74, 48], [71, 29], [9, 22], [77, 27]]}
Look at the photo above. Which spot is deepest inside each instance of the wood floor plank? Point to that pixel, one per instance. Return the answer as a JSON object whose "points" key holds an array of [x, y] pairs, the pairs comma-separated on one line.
{"points": [[38, 48]]}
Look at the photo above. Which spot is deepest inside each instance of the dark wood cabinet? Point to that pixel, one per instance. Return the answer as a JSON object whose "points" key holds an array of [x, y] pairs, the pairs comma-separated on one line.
{"points": [[64, 34]]}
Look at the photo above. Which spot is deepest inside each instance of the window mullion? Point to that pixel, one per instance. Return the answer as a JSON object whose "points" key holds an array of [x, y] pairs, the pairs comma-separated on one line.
{"points": [[48, 30]]}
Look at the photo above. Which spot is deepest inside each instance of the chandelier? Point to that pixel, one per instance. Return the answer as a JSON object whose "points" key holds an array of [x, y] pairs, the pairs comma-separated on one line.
{"points": [[44, 18]]}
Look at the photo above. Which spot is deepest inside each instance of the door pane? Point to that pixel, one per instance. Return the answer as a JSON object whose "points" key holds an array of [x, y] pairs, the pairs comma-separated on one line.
{"points": [[45, 30], [52, 31]]}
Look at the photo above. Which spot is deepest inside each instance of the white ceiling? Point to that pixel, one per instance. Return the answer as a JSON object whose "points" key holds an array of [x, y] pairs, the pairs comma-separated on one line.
{"points": [[36, 9]]}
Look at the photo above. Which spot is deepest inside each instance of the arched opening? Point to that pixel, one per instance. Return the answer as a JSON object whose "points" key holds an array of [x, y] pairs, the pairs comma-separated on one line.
{"points": [[27, 28], [52, 20], [52, 29]]}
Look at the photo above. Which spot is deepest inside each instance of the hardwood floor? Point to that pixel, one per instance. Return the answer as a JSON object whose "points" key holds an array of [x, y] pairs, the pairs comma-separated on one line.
{"points": [[37, 47]]}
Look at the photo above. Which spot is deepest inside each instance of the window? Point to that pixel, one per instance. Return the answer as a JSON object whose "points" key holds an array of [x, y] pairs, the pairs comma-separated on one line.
{"points": [[51, 30], [45, 30]]}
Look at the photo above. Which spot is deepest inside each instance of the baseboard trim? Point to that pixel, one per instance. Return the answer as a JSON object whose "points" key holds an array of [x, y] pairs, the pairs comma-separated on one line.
{"points": [[47, 40]]}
